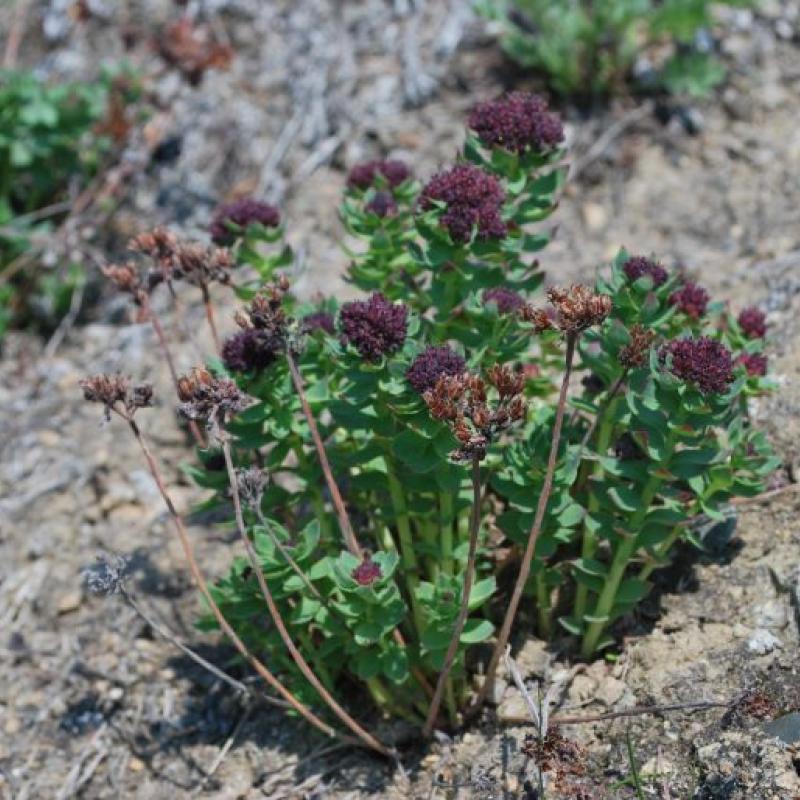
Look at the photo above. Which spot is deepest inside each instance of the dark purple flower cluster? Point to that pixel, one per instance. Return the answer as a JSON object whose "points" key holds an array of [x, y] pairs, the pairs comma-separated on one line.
{"points": [[250, 350], [431, 364], [242, 213], [753, 323], [375, 327], [691, 299], [507, 300], [706, 363], [362, 176], [382, 204], [754, 363], [367, 572], [517, 122], [318, 321], [473, 199], [638, 266]]}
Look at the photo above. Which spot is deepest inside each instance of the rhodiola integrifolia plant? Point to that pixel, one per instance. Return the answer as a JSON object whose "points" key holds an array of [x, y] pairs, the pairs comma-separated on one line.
{"points": [[409, 469]]}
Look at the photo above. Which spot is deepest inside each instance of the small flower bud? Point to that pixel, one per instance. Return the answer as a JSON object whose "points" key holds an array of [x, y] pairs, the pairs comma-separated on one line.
{"points": [[691, 299], [367, 572], [753, 323]]}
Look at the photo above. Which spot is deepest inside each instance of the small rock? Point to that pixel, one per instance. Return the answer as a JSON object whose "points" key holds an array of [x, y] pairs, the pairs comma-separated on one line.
{"points": [[513, 709], [533, 659], [135, 765], [610, 691], [763, 642], [785, 728], [594, 216], [70, 602]]}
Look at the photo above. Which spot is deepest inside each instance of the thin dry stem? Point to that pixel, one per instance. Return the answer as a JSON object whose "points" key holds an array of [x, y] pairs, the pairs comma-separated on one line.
{"points": [[162, 341], [541, 508], [463, 613], [368, 739], [194, 568], [341, 511], [210, 317]]}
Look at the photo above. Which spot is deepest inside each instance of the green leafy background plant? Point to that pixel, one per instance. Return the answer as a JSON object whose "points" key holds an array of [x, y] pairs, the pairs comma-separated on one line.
{"points": [[589, 47]]}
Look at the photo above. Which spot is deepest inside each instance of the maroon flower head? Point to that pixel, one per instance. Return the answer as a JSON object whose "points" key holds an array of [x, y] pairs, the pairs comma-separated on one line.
{"points": [[754, 363], [706, 363], [250, 350], [517, 122], [367, 572], [753, 323], [507, 300], [431, 364], [318, 321], [473, 199], [638, 266], [363, 175], [375, 327], [382, 204], [242, 213], [691, 299]]}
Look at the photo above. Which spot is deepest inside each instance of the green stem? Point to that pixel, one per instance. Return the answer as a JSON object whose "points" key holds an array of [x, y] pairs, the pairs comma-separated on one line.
{"points": [[446, 531], [543, 605], [661, 552], [319, 664], [625, 551], [407, 554], [589, 545]]}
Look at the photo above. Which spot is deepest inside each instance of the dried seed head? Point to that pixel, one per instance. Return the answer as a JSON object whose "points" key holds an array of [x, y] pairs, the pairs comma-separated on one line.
{"points": [[753, 323], [367, 572], [691, 299], [205, 397], [126, 278], [462, 402], [375, 327], [538, 317], [431, 364], [473, 199], [241, 213], [517, 122], [635, 353], [638, 266], [578, 307], [252, 482], [704, 362], [362, 176], [117, 393]]}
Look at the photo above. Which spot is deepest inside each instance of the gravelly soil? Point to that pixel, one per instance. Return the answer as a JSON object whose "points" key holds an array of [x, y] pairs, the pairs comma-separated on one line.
{"points": [[93, 704]]}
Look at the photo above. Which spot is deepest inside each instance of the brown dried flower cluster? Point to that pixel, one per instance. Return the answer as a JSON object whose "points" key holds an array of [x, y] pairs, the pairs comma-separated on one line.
{"points": [[192, 50], [635, 353], [576, 309], [117, 393], [556, 754], [462, 402], [266, 312], [127, 279], [204, 397], [174, 259]]}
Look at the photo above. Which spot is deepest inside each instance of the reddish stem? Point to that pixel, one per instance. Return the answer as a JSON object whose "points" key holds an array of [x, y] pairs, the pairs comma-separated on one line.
{"points": [[210, 317], [344, 520], [275, 613], [162, 340], [188, 550], [527, 558]]}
